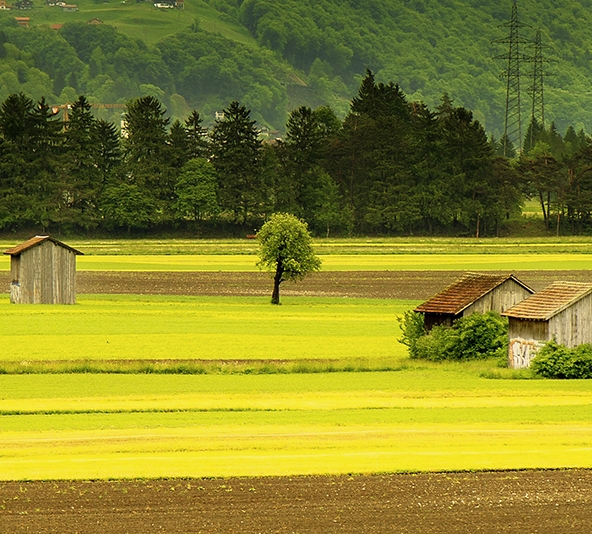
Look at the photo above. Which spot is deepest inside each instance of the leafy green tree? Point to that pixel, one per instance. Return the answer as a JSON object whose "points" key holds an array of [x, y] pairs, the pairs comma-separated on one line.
{"points": [[543, 177], [196, 190], [128, 206], [285, 246]]}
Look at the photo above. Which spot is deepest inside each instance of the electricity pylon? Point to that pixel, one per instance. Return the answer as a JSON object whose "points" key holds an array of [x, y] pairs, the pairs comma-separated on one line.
{"points": [[538, 73], [513, 59]]}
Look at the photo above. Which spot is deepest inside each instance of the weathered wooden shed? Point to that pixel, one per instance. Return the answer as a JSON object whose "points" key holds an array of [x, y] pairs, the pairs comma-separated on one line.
{"points": [[562, 311], [473, 292], [43, 271]]}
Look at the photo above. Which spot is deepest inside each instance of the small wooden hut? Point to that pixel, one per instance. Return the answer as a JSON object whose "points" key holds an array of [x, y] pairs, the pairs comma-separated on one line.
{"points": [[562, 311], [473, 292], [43, 271]]}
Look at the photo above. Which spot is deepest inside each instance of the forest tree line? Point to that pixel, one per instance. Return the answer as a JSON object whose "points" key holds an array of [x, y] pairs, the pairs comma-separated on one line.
{"points": [[391, 167]]}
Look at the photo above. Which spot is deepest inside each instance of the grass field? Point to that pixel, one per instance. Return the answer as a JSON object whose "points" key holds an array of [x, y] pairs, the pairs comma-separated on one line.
{"points": [[337, 254], [338, 246], [414, 417], [118, 327], [106, 426], [141, 19]]}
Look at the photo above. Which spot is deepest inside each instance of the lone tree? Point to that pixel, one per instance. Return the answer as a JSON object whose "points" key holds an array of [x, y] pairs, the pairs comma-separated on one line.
{"points": [[286, 246]]}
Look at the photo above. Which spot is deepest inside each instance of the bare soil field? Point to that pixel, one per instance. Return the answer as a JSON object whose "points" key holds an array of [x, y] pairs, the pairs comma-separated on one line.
{"points": [[544, 502], [413, 285]]}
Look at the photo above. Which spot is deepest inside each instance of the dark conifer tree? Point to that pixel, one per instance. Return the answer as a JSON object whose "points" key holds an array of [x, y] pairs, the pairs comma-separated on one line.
{"points": [[147, 152], [196, 134], [179, 145], [80, 169], [236, 150], [17, 172], [302, 155]]}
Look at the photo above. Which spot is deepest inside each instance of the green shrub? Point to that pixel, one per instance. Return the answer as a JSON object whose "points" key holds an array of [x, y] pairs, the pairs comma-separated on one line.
{"points": [[476, 336], [412, 328], [557, 361]]}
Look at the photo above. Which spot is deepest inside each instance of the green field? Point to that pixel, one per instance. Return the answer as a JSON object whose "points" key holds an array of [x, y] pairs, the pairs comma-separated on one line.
{"points": [[339, 246], [390, 254], [141, 19], [116, 327], [113, 426], [283, 414]]}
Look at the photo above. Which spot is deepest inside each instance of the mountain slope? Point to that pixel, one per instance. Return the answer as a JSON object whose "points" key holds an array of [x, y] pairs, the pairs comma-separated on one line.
{"points": [[320, 51]]}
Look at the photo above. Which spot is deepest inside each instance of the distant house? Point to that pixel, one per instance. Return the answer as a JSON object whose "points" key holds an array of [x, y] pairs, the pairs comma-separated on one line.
{"points": [[23, 21], [43, 271], [69, 7], [562, 311], [473, 292]]}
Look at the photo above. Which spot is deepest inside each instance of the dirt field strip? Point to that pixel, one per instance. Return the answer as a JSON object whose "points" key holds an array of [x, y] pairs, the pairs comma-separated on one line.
{"points": [[543, 502], [411, 285]]}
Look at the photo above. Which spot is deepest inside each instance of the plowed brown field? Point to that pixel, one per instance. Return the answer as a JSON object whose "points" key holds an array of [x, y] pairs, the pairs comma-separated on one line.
{"points": [[544, 502], [415, 285]]}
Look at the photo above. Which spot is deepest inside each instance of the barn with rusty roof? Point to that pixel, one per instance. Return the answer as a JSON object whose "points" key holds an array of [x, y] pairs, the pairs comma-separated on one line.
{"points": [[473, 292], [562, 311], [43, 271]]}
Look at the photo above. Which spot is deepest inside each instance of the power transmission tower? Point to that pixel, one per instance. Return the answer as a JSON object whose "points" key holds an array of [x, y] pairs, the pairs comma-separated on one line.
{"points": [[513, 59], [538, 74]]}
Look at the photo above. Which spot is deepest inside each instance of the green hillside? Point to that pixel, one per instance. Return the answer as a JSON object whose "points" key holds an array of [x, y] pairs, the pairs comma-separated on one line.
{"points": [[274, 55]]}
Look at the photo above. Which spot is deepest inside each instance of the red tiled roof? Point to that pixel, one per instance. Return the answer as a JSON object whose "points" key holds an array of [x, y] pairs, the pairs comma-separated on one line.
{"points": [[464, 292], [34, 241], [550, 301]]}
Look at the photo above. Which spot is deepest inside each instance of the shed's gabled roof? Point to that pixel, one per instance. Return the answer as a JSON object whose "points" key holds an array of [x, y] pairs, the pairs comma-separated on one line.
{"points": [[34, 241], [552, 300], [465, 291]]}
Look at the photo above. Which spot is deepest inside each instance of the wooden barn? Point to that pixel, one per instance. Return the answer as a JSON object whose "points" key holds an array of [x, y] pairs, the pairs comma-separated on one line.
{"points": [[562, 311], [43, 271], [473, 292]]}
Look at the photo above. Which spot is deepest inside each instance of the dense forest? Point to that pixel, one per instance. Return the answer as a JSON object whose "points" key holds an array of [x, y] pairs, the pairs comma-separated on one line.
{"points": [[392, 166], [299, 52]]}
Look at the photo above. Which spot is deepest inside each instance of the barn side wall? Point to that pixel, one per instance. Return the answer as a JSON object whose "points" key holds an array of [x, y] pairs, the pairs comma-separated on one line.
{"points": [[46, 275], [573, 326], [526, 337], [499, 299]]}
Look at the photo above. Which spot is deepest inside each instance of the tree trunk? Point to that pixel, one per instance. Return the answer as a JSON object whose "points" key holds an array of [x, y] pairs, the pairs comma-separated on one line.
{"points": [[277, 280]]}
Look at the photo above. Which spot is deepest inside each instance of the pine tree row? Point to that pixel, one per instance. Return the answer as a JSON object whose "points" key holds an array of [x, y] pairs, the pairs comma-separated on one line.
{"points": [[391, 167]]}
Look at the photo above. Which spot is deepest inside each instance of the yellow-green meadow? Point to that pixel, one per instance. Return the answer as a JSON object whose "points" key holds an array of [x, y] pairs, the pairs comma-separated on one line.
{"points": [[116, 387], [418, 419]]}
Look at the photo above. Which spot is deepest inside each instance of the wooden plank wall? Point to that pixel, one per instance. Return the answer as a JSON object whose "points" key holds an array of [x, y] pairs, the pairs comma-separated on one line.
{"points": [[573, 326], [47, 275], [499, 299]]}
